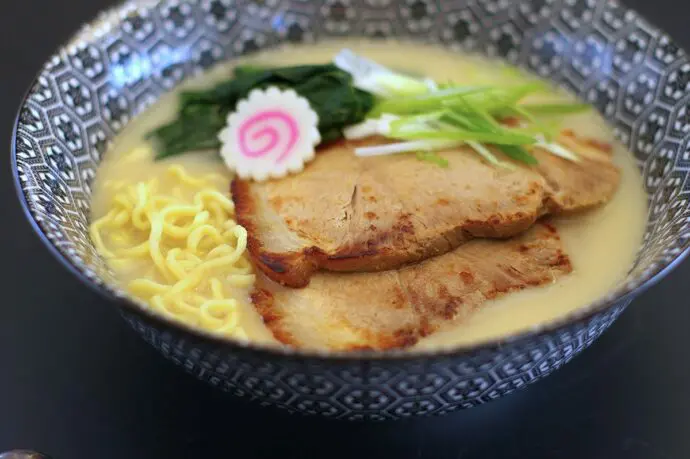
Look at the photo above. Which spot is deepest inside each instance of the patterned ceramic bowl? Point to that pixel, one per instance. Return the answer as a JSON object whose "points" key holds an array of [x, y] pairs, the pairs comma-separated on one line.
{"points": [[124, 61]]}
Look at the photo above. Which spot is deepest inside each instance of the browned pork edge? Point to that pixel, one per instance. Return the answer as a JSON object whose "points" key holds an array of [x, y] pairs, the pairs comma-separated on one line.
{"points": [[294, 269], [426, 295]]}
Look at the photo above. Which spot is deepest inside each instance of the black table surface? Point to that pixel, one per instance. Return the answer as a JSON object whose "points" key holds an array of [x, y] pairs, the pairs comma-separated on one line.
{"points": [[76, 383]]}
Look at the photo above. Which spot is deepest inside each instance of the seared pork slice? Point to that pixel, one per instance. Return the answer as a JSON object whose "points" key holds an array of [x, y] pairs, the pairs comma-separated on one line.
{"points": [[394, 309], [346, 213]]}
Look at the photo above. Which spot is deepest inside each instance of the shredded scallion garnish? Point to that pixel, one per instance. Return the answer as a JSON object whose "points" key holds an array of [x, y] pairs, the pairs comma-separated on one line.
{"points": [[406, 147], [427, 115], [431, 157]]}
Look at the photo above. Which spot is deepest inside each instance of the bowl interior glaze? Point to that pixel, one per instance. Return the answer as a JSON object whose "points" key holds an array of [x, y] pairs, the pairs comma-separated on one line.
{"points": [[122, 63]]}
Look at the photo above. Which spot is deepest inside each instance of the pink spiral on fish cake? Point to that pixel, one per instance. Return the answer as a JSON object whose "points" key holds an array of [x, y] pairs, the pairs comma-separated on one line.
{"points": [[268, 132]]}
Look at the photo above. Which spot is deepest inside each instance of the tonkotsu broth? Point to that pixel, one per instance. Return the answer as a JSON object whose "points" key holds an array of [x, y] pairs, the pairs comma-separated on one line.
{"points": [[601, 244]]}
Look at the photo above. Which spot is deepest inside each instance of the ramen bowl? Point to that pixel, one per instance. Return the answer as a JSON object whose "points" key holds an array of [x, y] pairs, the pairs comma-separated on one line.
{"points": [[125, 60]]}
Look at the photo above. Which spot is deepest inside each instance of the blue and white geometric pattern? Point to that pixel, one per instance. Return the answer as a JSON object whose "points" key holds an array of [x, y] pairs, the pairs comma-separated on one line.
{"points": [[121, 64]]}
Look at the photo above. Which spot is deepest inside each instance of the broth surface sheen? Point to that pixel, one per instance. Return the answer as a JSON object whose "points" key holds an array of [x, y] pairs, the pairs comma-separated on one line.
{"points": [[602, 243]]}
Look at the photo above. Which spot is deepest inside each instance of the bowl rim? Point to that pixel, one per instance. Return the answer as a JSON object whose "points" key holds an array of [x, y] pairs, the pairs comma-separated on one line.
{"points": [[575, 317]]}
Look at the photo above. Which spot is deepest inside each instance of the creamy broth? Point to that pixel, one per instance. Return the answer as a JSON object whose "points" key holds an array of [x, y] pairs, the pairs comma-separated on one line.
{"points": [[601, 244]]}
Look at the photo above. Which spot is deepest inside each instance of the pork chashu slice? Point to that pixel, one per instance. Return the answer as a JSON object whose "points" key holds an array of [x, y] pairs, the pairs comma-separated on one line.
{"points": [[394, 309], [346, 213]]}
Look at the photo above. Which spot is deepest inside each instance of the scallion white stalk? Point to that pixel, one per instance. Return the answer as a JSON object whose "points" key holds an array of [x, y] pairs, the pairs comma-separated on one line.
{"points": [[405, 147]]}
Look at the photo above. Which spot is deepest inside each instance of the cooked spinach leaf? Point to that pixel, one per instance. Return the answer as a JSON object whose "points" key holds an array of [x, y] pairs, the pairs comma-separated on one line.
{"points": [[203, 114]]}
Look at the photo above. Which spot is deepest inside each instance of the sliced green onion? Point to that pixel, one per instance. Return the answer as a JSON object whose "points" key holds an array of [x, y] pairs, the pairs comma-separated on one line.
{"points": [[496, 99], [463, 135], [427, 115], [366, 128], [431, 157], [405, 147], [370, 127], [431, 84], [372, 77], [412, 123], [488, 156], [485, 121], [559, 151], [398, 85], [521, 112], [432, 101], [518, 153]]}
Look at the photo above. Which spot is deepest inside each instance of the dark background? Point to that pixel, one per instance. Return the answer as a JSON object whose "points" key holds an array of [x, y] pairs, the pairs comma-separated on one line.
{"points": [[76, 383]]}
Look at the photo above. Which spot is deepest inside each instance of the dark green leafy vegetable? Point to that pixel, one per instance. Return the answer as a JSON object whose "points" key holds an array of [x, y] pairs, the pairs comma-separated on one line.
{"points": [[203, 114]]}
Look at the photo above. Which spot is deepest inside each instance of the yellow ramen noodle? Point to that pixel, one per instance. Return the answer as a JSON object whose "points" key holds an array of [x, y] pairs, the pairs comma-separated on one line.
{"points": [[185, 245]]}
